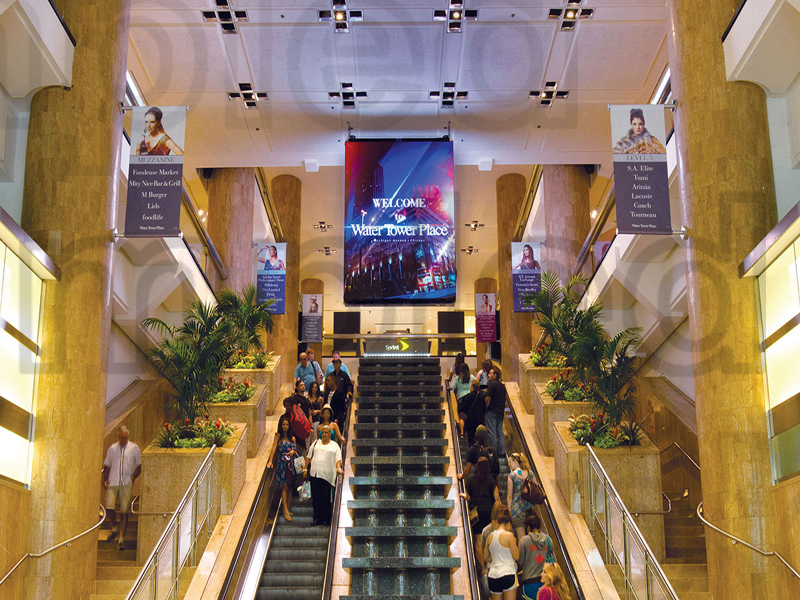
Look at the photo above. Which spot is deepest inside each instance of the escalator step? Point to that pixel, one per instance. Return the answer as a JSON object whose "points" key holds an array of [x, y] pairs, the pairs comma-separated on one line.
{"points": [[285, 593], [408, 597], [302, 580], [289, 554], [302, 542], [294, 566]]}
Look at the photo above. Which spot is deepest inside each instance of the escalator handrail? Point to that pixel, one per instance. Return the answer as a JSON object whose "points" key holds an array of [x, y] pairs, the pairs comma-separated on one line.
{"points": [[559, 539], [471, 567], [266, 483], [337, 500]]}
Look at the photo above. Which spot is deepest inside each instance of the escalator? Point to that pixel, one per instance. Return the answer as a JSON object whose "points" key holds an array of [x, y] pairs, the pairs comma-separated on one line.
{"points": [[515, 442]]}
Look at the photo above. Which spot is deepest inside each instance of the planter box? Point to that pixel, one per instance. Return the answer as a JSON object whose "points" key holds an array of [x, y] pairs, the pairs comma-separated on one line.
{"points": [[634, 471], [547, 411], [269, 378], [167, 473], [529, 377], [253, 413]]}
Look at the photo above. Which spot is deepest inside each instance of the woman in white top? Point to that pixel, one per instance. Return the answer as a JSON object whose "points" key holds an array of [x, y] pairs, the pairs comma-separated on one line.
{"points": [[325, 458], [502, 554]]}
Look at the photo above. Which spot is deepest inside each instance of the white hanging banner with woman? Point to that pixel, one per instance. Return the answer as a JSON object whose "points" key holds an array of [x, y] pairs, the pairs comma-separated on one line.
{"points": [[271, 275], [485, 327], [641, 180], [155, 172]]}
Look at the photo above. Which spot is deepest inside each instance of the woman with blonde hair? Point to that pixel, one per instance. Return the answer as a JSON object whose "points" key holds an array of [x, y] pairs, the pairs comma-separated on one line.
{"points": [[519, 471], [554, 584]]}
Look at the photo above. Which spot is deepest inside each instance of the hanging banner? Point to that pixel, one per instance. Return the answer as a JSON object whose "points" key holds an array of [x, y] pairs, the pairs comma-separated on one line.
{"points": [[526, 272], [155, 172], [312, 318], [641, 181], [271, 275], [485, 309]]}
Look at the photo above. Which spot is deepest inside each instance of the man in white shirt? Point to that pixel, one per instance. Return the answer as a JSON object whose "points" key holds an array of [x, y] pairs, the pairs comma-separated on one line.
{"points": [[122, 465]]}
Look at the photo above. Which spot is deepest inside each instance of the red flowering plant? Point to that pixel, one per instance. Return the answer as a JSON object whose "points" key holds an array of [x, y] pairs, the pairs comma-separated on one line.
{"points": [[597, 430], [561, 384], [252, 360], [229, 390], [547, 356], [202, 433]]}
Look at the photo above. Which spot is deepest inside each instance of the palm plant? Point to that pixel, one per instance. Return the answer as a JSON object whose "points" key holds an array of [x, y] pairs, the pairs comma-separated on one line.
{"points": [[248, 316], [192, 355], [559, 314], [610, 365]]}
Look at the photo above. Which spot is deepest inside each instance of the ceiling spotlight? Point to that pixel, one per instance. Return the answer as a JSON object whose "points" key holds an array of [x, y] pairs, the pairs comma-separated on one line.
{"points": [[570, 14], [455, 15], [339, 15], [200, 211], [469, 250], [474, 225], [594, 214]]}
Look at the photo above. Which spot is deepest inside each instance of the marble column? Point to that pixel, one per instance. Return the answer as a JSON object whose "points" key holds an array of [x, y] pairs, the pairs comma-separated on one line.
{"points": [[485, 285], [515, 328], [315, 286], [728, 205], [286, 190], [231, 194], [71, 184], [566, 217]]}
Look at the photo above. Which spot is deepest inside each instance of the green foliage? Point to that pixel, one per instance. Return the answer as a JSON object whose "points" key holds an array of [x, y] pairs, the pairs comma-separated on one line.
{"points": [[255, 360], [574, 395], [610, 364], [546, 356], [202, 433], [232, 391], [191, 356], [560, 384], [247, 315]]}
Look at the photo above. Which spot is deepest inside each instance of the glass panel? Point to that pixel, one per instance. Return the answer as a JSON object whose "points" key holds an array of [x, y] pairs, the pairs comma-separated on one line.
{"points": [[616, 530], [145, 591], [786, 452], [22, 291], [203, 498], [778, 288], [166, 564], [191, 235], [638, 572], [783, 381], [598, 497], [18, 372], [659, 590], [14, 456], [185, 537]]}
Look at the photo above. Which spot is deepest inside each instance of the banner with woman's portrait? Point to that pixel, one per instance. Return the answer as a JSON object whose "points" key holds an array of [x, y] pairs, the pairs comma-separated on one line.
{"points": [[526, 272], [155, 172], [311, 331], [271, 275], [641, 180], [485, 315]]}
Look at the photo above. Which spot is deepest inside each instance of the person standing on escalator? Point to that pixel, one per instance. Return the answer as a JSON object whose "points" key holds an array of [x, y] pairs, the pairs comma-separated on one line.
{"points": [[495, 411], [323, 464]]}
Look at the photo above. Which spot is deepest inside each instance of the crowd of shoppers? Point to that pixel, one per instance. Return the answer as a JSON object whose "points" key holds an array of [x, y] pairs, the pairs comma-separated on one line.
{"points": [[513, 553]]}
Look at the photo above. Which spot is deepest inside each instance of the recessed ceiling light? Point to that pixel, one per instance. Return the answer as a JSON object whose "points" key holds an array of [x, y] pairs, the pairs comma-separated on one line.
{"points": [[347, 87], [594, 214], [447, 104], [570, 14], [471, 15], [454, 27], [233, 95], [434, 95], [325, 15], [440, 15], [449, 85], [534, 94], [567, 25], [356, 15], [555, 13], [245, 87], [341, 27], [339, 15], [209, 16], [462, 95], [241, 15], [455, 15], [587, 13]]}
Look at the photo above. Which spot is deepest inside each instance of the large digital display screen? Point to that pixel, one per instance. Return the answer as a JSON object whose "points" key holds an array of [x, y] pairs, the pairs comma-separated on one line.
{"points": [[399, 222]]}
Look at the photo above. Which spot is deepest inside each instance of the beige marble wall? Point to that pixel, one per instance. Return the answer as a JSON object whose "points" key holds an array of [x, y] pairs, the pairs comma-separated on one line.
{"points": [[727, 198], [515, 328], [70, 199], [286, 192], [565, 193], [15, 509], [785, 501], [230, 225]]}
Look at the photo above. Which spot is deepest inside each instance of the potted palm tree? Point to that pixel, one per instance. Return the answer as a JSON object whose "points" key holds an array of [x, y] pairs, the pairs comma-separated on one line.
{"points": [[551, 383], [609, 365]]}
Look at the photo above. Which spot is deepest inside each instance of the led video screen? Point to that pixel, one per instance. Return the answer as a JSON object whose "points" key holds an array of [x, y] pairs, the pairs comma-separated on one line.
{"points": [[399, 222]]}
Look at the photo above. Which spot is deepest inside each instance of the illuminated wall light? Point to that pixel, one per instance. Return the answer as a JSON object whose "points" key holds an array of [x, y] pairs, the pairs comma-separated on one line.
{"points": [[594, 213]]}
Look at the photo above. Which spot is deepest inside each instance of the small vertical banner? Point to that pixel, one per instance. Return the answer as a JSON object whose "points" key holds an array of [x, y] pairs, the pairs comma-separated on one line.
{"points": [[485, 328], [641, 180], [312, 318], [271, 275], [155, 172], [526, 272]]}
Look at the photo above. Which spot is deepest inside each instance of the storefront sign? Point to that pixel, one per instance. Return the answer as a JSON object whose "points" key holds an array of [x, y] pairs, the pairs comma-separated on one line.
{"points": [[155, 172], [526, 272], [271, 275], [641, 182]]}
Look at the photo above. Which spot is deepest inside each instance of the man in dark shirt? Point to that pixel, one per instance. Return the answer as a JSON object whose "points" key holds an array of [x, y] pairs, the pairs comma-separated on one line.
{"points": [[495, 409], [343, 381], [480, 448]]}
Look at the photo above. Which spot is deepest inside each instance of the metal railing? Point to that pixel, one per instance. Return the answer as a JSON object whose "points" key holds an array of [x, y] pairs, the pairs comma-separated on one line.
{"points": [[737, 540], [177, 547], [682, 451], [625, 544], [557, 537], [468, 542], [66, 543], [657, 512], [327, 584]]}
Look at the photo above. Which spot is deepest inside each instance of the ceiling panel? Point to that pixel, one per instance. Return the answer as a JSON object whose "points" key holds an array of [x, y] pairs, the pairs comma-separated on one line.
{"points": [[401, 119], [573, 124], [613, 55], [503, 57], [396, 57], [217, 129], [309, 128], [291, 57], [492, 125], [182, 58]]}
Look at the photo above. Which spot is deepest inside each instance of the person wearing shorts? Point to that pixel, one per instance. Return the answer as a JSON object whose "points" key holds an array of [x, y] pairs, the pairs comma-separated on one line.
{"points": [[122, 466], [501, 555]]}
